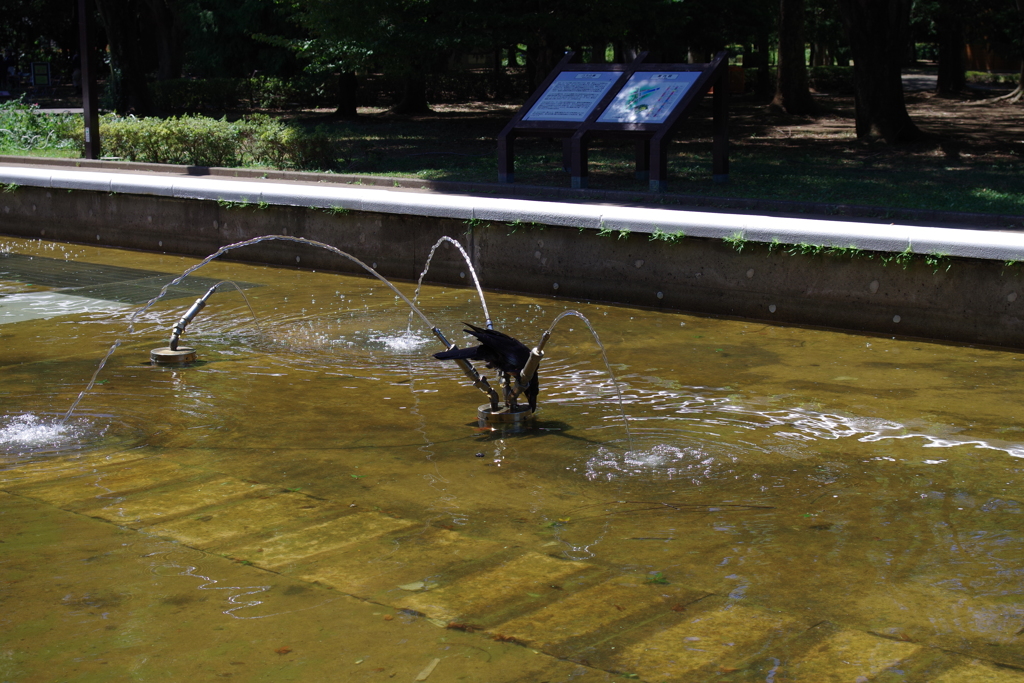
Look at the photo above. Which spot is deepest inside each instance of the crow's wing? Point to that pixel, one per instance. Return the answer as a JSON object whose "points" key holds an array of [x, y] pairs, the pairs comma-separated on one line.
{"points": [[509, 354]]}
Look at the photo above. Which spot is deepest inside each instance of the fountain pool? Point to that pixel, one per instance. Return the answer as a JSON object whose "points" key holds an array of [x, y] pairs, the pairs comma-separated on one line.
{"points": [[314, 500]]}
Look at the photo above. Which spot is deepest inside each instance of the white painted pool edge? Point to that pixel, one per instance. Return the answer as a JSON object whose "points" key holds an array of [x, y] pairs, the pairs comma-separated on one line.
{"points": [[980, 244]]}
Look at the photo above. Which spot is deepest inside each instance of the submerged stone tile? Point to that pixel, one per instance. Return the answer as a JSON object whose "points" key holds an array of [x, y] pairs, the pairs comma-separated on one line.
{"points": [[848, 656], [107, 483], [953, 620], [142, 509], [589, 611], [488, 591], [57, 469], [263, 515], [293, 547], [724, 638], [980, 672], [380, 566]]}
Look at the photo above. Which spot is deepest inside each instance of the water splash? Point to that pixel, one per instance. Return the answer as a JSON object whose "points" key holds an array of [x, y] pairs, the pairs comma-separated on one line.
{"points": [[30, 431], [472, 272], [666, 460], [406, 342], [604, 357]]}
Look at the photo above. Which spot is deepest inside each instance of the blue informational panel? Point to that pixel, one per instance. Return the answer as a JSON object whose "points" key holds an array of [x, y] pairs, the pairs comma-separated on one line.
{"points": [[571, 96], [648, 97]]}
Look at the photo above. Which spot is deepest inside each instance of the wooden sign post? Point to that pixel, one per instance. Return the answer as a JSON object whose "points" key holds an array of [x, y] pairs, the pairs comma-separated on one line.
{"points": [[640, 101]]}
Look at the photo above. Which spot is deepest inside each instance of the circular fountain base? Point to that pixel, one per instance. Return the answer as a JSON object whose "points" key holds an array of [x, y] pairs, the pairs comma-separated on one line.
{"points": [[169, 356], [503, 418]]}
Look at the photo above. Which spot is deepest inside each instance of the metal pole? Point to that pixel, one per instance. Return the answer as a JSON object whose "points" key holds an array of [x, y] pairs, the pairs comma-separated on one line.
{"points": [[89, 112]]}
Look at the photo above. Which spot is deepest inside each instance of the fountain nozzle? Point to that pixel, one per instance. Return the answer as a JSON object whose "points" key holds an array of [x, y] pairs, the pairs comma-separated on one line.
{"points": [[172, 354]]}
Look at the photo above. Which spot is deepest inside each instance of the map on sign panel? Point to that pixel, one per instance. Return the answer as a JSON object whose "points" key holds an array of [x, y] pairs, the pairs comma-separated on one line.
{"points": [[648, 97], [572, 96]]}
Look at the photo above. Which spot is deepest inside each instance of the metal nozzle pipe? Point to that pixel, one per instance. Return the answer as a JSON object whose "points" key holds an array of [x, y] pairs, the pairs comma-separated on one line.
{"points": [[530, 369], [192, 312], [478, 380]]}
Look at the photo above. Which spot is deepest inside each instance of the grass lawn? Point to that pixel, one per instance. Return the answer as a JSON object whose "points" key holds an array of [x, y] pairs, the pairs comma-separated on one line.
{"points": [[974, 163]]}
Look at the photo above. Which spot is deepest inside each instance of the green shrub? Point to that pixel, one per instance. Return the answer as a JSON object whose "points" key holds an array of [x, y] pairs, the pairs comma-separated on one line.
{"points": [[189, 140], [989, 78], [202, 141], [23, 128]]}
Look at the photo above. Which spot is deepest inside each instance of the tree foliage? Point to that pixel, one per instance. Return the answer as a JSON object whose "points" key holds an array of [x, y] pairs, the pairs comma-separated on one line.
{"points": [[407, 40]]}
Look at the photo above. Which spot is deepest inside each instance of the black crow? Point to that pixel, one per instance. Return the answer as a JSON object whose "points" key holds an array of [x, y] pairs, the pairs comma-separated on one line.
{"points": [[499, 351]]}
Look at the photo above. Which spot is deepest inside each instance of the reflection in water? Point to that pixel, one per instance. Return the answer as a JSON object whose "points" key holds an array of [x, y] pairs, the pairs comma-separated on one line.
{"points": [[329, 449]]}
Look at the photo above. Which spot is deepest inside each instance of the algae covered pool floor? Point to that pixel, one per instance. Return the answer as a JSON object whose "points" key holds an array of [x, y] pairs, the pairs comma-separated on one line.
{"points": [[314, 501]]}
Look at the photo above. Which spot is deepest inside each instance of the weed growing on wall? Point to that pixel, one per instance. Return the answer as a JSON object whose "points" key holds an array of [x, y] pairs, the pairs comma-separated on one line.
{"points": [[517, 225], [660, 235], [737, 241], [903, 258]]}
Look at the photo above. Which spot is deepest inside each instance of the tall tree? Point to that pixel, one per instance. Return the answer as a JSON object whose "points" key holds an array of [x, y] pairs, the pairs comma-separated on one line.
{"points": [[229, 38], [406, 38], [127, 85], [1003, 25], [879, 32], [792, 93], [949, 19]]}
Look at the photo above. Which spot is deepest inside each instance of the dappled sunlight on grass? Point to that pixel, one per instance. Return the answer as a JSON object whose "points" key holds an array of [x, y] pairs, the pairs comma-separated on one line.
{"points": [[772, 158], [972, 162]]}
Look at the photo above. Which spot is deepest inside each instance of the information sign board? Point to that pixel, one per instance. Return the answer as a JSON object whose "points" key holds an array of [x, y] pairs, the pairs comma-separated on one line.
{"points": [[572, 96], [41, 74], [640, 101], [648, 97]]}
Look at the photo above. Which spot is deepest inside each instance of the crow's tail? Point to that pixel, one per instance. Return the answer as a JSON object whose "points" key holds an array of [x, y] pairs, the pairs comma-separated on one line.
{"points": [[456, 354]]}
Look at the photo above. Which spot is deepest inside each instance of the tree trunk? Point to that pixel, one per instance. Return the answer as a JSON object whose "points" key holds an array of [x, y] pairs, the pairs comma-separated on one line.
{"points": [[127, 84], [1018, 93], [952, 79], [763, 89], [878, 32], [168, 40], [791, 92], [497, 74], [348, 88], [540, 60], [413, 99]]}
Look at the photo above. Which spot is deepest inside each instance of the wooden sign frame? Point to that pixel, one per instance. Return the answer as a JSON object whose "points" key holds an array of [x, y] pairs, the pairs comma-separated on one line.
{"points": [[518, 127], [651, 138]]}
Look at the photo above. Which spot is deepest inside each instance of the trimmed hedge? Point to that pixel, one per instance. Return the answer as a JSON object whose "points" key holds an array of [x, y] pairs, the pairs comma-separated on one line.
{"points": [[202, 141]]}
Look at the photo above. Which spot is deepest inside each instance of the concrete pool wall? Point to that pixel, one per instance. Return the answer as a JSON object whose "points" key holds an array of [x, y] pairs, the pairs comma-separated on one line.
{"points": [[947, 284]]}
